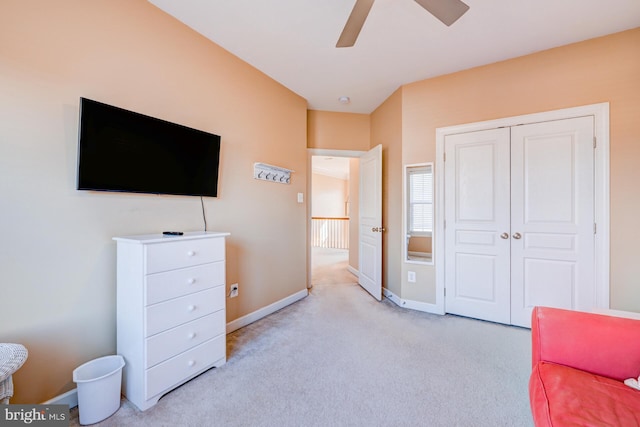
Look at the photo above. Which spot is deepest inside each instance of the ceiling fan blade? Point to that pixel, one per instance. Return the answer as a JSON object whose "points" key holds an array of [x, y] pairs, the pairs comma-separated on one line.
{"points": [[354, 23], [447, 11]]}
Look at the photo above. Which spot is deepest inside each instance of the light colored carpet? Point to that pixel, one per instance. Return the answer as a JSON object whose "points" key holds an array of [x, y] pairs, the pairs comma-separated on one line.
{"points": [[340, 358], [329, 266]]}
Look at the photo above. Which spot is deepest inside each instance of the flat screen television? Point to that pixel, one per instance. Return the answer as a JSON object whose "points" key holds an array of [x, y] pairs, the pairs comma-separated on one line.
{"points": [[120, 150]]}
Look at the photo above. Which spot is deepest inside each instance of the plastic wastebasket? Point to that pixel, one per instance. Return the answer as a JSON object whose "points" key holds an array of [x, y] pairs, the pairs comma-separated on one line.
{"points": [[99, 383]]}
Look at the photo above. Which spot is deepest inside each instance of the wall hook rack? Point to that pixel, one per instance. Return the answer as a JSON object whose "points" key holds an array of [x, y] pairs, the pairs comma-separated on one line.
{"points": [[265, 172]]}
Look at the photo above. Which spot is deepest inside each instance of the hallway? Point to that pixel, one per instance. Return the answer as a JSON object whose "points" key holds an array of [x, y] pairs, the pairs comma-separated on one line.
{"points": [[329, 267]]}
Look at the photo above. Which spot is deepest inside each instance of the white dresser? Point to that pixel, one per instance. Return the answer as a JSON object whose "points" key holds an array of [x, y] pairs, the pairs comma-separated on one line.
{"points": [[171, 322]]}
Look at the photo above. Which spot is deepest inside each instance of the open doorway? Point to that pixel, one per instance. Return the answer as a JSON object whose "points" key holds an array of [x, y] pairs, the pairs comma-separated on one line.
{"points": [[334, 219]]}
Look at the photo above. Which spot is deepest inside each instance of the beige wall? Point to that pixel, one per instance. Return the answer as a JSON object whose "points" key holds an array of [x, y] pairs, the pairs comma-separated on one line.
{"points": [[57, 256], [606, 69], [420, 244], [386, 129], [329, 196], [338, 131]]}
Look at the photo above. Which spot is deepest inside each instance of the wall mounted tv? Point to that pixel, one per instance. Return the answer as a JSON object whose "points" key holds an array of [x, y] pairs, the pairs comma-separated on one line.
{"points": [[120, 150]]}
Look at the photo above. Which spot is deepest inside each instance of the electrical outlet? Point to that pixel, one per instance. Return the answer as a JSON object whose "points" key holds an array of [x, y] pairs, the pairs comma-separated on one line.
{"points": [[411, 276], [233, 292]]}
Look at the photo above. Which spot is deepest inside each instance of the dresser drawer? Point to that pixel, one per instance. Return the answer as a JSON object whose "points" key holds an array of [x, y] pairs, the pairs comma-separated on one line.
{"points": [[183, 253], [167, 344], [168, 314], [175, 283], [175, 370]]}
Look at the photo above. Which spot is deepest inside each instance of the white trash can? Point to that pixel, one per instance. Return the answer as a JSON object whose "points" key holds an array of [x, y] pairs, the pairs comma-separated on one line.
{"points": [[99, 383]]}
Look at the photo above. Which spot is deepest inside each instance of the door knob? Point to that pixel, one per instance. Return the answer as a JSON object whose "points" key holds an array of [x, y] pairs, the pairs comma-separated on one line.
{"points": [[517, 236], [504, 235]]}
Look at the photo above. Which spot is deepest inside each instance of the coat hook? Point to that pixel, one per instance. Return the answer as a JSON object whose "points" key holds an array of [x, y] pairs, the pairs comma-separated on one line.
{"points": [[271, 173]]}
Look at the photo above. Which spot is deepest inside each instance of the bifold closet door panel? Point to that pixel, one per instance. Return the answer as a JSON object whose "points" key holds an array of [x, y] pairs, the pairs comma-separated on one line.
{"points": [[552, 216], [477, 248]]}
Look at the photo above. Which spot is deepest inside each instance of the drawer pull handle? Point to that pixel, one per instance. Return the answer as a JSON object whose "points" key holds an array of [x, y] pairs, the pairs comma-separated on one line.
{"points": [[192, 335], [191, 253], [191, 281], [191, 308], [191, 362]]}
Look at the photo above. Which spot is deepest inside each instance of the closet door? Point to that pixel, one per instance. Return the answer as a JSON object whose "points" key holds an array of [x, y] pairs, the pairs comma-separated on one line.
{"points": [[477, 232], [519, 212], [552, 217]]}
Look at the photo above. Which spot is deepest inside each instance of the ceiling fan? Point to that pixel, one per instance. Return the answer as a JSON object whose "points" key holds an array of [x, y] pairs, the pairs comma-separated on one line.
{"points": [[447, 11]]}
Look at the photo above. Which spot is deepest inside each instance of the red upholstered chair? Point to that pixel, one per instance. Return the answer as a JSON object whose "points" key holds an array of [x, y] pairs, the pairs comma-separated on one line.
{"points": [[580, 361]]}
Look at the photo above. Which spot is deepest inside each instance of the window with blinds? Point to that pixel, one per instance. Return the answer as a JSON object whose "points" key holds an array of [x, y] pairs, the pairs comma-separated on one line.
{"points": [[420, 200]]}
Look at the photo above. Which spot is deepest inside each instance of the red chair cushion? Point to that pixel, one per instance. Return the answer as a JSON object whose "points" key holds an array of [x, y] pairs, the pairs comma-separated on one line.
{"points": [[564, 396]]}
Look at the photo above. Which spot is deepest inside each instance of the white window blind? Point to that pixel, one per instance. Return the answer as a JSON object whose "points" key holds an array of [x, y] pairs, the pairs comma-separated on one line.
{"points": [[420, 200]]}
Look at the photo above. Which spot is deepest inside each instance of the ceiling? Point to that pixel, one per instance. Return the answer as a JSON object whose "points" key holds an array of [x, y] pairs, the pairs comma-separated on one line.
{"points": [[293, 41], [336, 167]]}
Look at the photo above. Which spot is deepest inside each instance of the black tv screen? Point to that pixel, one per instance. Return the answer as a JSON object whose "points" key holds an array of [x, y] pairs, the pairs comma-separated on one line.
{"points": [[120, 150]]}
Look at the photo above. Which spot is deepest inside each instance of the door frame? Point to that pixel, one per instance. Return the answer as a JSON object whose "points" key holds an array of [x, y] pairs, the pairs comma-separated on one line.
{"points": [[330, 153], [600, 113]]}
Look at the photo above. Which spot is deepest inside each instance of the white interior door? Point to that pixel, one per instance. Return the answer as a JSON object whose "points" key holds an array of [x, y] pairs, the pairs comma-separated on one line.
{"points": [[477, 225], [552, 217], [370, 214], [519, 212]]}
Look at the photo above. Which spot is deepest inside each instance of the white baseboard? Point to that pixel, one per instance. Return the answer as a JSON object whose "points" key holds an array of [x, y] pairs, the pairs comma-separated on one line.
{"points": [[69, 398], [422, 306], [353, 271], [265, 311], [392, 297], [413, 305]]}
